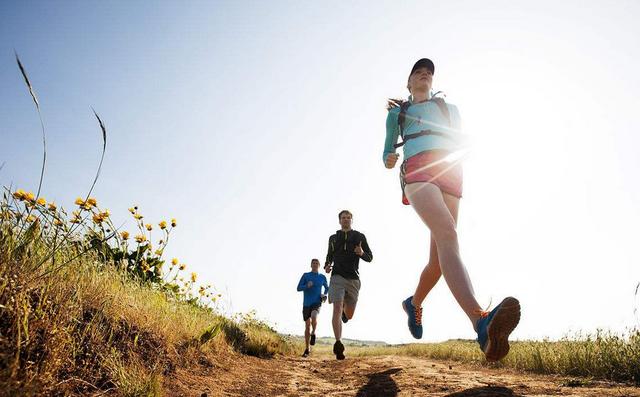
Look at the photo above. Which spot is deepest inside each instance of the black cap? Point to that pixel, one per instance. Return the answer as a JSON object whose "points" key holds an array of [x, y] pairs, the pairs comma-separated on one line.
{"points": [[423, 63]]}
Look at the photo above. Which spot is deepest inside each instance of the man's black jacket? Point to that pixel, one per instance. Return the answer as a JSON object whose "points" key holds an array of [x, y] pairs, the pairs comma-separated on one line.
{"points": [[341, 253]]}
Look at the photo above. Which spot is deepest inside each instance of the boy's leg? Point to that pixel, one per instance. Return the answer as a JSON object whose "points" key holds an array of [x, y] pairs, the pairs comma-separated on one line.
{"points": [[314, 321], [307, 333]]}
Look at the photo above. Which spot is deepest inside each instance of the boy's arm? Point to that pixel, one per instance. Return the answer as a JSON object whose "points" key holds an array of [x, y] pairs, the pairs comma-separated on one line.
{"points": [[302, 285]]}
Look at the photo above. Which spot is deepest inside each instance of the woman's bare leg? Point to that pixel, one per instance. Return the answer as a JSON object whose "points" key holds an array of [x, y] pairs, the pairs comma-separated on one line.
{"points": [[428, 201]]}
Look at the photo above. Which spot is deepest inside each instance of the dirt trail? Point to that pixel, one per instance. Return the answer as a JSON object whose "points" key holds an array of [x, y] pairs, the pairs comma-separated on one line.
{"points": [[380, 376]]}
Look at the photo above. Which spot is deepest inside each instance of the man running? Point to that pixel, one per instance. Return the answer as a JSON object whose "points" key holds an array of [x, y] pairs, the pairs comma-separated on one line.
{"points": [[311, 283], [346, 247]]}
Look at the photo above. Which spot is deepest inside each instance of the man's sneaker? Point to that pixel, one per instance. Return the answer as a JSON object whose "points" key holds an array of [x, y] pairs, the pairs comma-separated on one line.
{"points": [[344, 317], [306, 353], [415, 317], [494, 327], [313, 339], [338, 350]]}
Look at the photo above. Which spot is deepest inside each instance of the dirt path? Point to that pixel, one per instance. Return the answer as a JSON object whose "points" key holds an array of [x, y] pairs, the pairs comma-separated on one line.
{"points": [[381, 376]]}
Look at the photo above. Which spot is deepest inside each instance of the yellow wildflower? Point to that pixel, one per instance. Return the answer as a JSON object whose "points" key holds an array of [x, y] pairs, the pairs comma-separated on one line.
{"points": [[20, 194], [138, 216], [163, 225], [105, 214], [91, 201], [183, 266], [58, 222], [41, 201], [193, 277], [174, 261], [132, 210], [149, 227], [52, 206], [31, 218], [30, 197], [173, 222], [79, 201], [125, 235], [158, 252], [140, 238], [97, 218]]}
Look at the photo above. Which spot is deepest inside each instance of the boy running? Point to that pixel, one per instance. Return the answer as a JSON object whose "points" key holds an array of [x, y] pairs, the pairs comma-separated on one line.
{"points": [[311, 283]]}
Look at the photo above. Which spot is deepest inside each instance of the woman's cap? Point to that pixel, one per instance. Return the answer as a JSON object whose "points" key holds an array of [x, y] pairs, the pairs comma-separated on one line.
{"points": [[423, 63]]}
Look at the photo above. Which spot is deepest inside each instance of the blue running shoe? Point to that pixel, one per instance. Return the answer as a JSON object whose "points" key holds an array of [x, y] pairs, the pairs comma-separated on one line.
{"points": [[494, 328], [415, 317]]}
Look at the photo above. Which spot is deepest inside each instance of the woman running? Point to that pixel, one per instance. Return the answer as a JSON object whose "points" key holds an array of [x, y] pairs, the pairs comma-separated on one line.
{"points": [[432, 185]]}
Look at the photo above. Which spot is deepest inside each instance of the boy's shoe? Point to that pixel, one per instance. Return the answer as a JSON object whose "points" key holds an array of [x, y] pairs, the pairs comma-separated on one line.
{"points": [[344, 317], [494, 327], [415, 317], [312, 341], [306, 353], [338, 350]]}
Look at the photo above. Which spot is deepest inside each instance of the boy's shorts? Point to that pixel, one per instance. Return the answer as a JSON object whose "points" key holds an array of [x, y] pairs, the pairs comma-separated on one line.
{"points": [[306, 310], [341, 288]]}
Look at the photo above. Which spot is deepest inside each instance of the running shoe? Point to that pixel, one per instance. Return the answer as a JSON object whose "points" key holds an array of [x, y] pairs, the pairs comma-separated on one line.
{"points": [[313, 339], [494, 328], [338, 350], [306, 353], [344, 317], [414, 315]]}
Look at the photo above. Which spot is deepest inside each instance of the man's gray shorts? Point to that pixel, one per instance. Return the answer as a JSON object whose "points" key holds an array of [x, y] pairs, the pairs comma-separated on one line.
{"points": [[341, 288]]}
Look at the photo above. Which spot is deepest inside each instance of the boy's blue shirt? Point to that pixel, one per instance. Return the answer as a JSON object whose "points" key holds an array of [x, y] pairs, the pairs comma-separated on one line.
{"points": [[312, 295]]}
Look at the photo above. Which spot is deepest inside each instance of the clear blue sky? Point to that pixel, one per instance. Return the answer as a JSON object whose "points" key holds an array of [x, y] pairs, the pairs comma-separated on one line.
{"points": [[254, 123]]}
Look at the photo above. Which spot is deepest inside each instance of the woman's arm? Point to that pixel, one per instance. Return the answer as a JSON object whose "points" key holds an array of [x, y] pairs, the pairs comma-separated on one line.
{"points": [[391, 139]]}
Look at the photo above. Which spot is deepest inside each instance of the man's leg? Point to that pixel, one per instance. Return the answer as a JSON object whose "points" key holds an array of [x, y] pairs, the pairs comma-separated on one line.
{"points": [[336, 320], [349, 309]]}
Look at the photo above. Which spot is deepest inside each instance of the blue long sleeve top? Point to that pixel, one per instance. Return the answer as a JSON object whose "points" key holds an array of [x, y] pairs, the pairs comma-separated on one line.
{"points": [[312, 295], [423, 116]]}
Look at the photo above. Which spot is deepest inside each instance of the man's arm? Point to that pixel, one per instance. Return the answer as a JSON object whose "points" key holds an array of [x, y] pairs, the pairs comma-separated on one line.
{"points": [[367, 255], [302, 285], [330, 252], [325, 285]]}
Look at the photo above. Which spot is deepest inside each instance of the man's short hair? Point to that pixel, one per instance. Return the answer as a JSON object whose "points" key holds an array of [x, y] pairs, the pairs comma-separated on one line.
{"points": [[344, 212], [314, 260]]}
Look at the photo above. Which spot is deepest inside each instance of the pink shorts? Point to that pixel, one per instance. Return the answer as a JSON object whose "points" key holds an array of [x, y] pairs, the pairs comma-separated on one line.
{"points": [[430, 167]]}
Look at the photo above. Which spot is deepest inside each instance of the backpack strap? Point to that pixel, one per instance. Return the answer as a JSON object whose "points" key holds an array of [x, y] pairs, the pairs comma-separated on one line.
{"points": [[404, 106]]}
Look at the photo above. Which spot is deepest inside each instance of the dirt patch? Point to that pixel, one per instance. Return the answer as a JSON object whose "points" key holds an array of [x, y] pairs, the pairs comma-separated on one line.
{"points": [[381, 376]]}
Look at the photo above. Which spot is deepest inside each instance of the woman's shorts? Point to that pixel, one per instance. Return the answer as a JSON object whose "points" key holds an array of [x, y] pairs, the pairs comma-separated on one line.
{"points": [[431, 167]]}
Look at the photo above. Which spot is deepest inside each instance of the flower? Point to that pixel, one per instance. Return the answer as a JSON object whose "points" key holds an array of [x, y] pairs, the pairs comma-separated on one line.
{"points": [[163, 225], [132, 210], [97, 218], [158, 252], [20, 194], [140, 238], [149, 227], [125, 235], [31, 218], [58, 222], [41, 201], [183, 266], [174, 261], [30, 197], [91, 201], [52, 206], [138, 216], [193, 277], [173, 222], [79, 201]]}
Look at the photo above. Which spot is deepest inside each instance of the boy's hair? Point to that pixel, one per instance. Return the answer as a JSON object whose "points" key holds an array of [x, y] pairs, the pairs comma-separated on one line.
{"points": [[344, 212], [314, 260]]}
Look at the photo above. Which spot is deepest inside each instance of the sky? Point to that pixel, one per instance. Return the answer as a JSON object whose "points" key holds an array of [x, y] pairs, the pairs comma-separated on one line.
{"points": [[254, 123]]}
